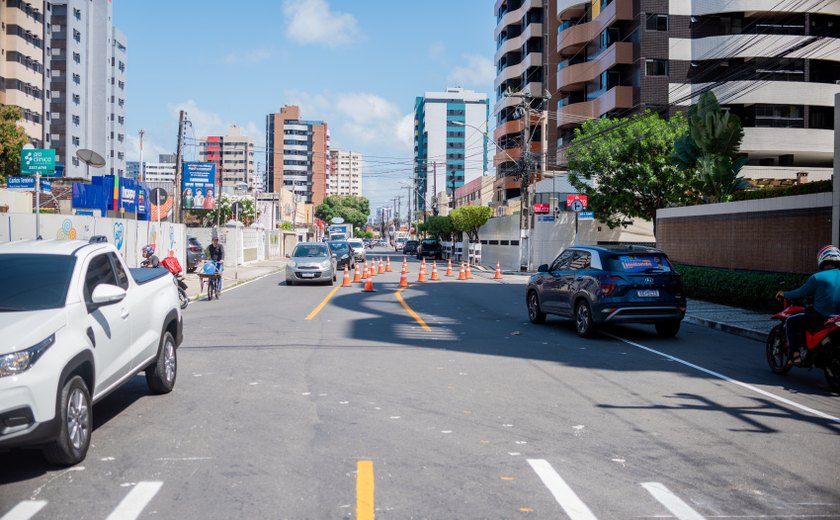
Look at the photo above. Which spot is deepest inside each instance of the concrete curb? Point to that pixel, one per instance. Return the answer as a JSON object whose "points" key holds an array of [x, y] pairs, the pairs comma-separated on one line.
{"points": [[756, 335], [231, 285]]}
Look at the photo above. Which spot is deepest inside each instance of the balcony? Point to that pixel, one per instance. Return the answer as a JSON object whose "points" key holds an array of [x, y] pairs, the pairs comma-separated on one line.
{"points": [[570, 41], [534, 30], [575, 77], [615, 98], [511, 127], [571, 8]]}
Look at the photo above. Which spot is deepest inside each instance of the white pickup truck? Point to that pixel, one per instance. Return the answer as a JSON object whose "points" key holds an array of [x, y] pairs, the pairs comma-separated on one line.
{"points": [[75, 324]]}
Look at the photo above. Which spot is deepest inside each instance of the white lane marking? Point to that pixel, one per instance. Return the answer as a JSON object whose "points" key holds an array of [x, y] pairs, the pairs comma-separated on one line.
{"points": [[730, 380], [25, 510], [200, 298], [568, 500], [671, 501], [135, 501]]}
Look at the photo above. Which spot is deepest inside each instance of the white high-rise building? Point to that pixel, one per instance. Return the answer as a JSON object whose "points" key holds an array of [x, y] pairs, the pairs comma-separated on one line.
{"points": [[87, 84], [345, 176]]}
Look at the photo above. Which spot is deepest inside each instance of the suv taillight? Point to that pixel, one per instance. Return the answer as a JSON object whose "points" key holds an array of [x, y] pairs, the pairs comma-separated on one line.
{"points": [[608, 284]]}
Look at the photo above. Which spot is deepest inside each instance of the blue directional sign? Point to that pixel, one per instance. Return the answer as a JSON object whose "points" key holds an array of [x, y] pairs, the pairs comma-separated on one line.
{"points": [[586, 215], [26, 184]]}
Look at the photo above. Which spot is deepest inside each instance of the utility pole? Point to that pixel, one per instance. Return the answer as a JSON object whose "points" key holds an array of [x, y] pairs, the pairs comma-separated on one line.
{"points": [[140, 174], [434, 189], [179, 166]]}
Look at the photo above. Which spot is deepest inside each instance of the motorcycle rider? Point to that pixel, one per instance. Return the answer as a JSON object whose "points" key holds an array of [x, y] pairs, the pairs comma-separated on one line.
{"points": [[824, 286], [150, 259]]}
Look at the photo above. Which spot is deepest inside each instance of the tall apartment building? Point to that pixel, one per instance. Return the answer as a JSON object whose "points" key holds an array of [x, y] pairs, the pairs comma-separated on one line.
{"points": [[450, 143], [526, 35], [86, 85], [297, 154], [234, 157], [345, 176], [161, 171], [22, 63], [774, 64]]}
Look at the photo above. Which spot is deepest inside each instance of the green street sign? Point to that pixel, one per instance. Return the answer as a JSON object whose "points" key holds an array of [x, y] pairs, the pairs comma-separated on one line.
{"points": [[35, 160]]}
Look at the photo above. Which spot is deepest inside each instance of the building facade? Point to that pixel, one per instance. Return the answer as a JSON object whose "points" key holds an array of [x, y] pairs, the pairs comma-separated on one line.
{"points": [[526, 68], [161, 171], [22, 68], [450, 143], [87, 85], [345, 176], [776, 65], [297, 154], [234, 157]]}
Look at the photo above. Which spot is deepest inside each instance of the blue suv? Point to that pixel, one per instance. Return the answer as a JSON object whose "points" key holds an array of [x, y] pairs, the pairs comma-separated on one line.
{"points": [[595, 285]]}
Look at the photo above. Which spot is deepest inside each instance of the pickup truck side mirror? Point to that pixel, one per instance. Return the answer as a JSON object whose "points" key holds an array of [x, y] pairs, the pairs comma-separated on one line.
{"points": [[106, 294], [543, 268]]}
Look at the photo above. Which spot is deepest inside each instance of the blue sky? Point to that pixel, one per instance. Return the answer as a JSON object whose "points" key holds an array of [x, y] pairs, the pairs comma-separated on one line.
{"points": [[358, 65]]}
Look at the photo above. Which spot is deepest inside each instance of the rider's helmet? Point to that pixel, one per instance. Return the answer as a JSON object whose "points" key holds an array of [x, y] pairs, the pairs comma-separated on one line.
{"points": [[828, 254], [149, 250]]}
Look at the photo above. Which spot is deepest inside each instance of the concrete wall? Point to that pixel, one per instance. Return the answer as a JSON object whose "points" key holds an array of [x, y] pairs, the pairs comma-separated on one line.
{"points": [[780, 235], [17, 201]]}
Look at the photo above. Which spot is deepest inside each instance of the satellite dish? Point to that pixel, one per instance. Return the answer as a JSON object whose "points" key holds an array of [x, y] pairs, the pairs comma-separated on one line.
{"points": [[337, 220], [90, 158]]}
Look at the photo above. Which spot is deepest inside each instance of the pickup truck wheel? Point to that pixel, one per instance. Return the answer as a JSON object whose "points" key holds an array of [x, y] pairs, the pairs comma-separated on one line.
{"points": [[160, 375], [74, 415]]}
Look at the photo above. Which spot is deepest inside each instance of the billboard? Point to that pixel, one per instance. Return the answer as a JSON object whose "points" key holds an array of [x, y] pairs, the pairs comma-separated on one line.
{"points": [[37, 160], [198, 188]]}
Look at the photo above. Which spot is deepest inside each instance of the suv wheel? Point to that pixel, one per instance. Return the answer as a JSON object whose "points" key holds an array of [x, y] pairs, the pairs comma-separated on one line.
{"points": [[74, 415], [667, 329], [534, 312], [583, 320], [160, 375]]}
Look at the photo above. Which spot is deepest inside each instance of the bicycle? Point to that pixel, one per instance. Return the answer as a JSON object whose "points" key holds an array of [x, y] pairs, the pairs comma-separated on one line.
{"points": [[212, 272]]}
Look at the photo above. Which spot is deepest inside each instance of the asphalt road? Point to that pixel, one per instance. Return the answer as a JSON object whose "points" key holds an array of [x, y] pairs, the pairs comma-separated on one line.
{"points": [[362, 410]]}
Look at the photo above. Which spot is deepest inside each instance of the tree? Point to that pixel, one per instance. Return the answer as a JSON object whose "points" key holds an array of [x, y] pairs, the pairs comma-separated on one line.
{"points": [[226, 210], [709, 151], [12, 140], [440, 227], [354, 210], [625, 167], [469, 219]]}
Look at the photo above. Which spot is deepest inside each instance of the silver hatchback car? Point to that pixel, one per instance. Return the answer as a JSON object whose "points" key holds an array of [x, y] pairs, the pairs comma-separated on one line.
{"points": [[311, 262]]}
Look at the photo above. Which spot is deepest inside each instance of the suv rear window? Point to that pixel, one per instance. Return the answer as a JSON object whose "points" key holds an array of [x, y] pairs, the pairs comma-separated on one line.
{"points": [[639, 263]]}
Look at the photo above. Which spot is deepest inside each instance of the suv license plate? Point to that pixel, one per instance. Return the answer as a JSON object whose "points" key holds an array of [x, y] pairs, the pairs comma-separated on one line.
{"points": [[648, 293], [312, 275]]}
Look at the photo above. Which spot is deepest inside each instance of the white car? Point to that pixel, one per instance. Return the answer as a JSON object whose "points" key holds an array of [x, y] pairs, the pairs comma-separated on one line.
{"points": [[358, 246], [76, 325]]}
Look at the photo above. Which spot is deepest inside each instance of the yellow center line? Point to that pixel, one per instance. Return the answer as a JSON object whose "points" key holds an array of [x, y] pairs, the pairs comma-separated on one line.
{"points": [[323, 303], [364, 490], [410, 311]]}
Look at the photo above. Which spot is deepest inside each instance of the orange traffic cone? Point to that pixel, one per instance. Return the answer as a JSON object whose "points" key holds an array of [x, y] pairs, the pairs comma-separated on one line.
{"points": [[387, 264], [498, 275], [357, 277], [381, 266], [403, 280], [365, 271], [422, 276], [463, 274], [405, 264], [346, 282], [368, 286], [434, 272], [469, 272], [372, 269], [449, 267]]}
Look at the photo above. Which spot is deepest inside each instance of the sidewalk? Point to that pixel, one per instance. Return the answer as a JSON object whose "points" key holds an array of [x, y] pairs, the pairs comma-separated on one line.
{"points": [[742, 322], [233, 276]]}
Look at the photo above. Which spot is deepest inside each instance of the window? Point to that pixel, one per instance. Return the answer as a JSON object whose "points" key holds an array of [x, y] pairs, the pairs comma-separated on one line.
{"points": [[657, 22], [581, 261], [75, 160], [77, 57], [77, 99], [656, 67], [77, 14], [562, 262], [77, 79], [75, 140], [122, 276], [76, 120], [99, 271], [77, 36]]}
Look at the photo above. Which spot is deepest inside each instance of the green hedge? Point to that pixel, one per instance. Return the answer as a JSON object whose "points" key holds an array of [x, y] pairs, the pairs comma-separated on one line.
{"points": [[769, 193], [749, 289]]}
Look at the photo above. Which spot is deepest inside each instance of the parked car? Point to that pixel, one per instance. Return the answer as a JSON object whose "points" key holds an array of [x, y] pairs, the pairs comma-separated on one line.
{"points": [[311, 262], [430, 248], [399, 244], [195, 253], [596, 285], [343, 254], [68, 340], [410, 247], [358, 249]]}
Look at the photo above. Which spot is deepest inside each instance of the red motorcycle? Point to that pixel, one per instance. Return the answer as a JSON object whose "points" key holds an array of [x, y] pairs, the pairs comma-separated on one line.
{"points": [[822, 347]]}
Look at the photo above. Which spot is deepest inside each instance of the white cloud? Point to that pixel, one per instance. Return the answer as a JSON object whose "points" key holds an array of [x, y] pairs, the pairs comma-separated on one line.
{"points": [[249, 57], [203, 122], [405, 131], [437, 50], [314, 22], [477, 71]]}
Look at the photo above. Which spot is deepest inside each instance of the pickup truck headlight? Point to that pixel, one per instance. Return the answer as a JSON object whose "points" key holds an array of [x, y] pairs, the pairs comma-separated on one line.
{"points": [[20, 361]]}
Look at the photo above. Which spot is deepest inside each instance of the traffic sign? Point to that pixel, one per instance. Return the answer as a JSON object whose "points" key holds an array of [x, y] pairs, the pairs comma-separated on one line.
{"points": [[586, 215], [542, 208], [578, 206], [583, 199], [26, 184], [37, 160]]}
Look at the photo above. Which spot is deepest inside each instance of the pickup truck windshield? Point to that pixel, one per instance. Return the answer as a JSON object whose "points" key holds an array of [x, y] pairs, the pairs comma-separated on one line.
{"points": [[34, 282], [310, 252]]}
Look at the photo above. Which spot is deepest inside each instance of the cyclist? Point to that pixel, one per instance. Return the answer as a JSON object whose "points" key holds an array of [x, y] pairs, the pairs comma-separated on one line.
{"points": [[151, 260], [824, 286], [216, 253]]}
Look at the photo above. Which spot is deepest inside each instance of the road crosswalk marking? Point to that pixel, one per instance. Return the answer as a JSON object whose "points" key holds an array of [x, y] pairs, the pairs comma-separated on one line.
{"points": [[134, 503], [25, 510], [672, 502], [564, 495]]}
